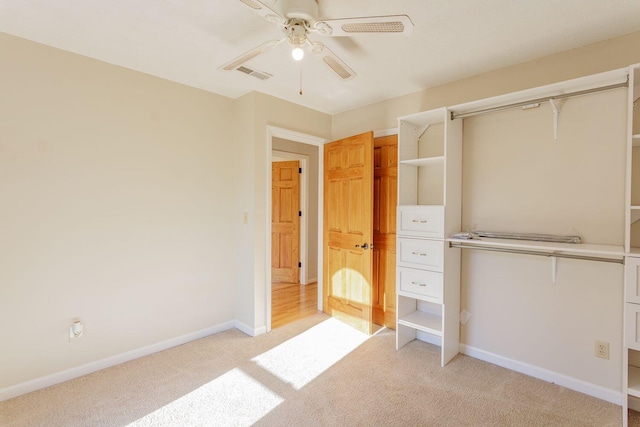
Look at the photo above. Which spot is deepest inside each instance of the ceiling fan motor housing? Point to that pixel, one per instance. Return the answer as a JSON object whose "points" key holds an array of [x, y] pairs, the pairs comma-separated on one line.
{"points": [[297, 33], [300, 9]]}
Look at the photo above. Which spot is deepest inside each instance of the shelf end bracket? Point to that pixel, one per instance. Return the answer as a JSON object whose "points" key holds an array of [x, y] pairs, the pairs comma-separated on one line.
{"points": [[422, 131], [556, 114]]}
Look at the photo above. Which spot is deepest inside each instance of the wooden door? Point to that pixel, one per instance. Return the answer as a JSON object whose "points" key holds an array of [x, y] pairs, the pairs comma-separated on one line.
{"points": [[385, 198], [348, 230], [285, 220]]}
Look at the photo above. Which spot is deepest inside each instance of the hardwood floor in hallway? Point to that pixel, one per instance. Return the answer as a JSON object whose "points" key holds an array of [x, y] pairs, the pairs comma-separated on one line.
{"points": [[291, 301]]}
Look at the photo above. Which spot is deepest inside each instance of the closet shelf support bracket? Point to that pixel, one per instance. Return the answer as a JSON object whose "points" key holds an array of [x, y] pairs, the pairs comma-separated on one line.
{"points": [[422, 131], [556, 114], [554, 268]]}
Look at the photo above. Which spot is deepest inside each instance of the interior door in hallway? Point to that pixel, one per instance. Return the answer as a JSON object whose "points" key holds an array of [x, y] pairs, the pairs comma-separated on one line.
{"points": [[285, 220], [385, 198], [348, 230]]}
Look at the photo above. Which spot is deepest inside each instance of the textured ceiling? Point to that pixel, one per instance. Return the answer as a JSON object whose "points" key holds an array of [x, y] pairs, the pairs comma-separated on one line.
{"points": [[187, 40]]}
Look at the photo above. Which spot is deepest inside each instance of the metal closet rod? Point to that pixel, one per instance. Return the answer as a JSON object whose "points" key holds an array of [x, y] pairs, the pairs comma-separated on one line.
{"points": [[455, 115], [544, 254]]}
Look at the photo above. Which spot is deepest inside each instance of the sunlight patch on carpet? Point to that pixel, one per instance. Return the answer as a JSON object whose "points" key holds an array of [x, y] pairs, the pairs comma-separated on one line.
{"points": [[233, 399], [304, 357]]}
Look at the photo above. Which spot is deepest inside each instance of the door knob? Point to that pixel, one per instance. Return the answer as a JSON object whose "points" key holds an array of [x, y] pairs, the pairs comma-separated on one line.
{"points": [[364, 246]]}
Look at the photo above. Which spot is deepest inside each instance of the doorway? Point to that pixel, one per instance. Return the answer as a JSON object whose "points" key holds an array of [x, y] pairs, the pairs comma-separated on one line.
{"points": [[274, 134], [287, 301], [293, 295]]}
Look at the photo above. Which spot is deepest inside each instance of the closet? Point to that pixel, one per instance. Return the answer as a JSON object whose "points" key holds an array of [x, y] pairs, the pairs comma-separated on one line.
{"points": [[479, 165]]}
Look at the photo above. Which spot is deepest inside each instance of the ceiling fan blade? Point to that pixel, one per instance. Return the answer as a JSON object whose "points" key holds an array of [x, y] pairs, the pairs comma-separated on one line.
{"points": [[237, 62], [265, 11], [390, 24], [331, 60]]}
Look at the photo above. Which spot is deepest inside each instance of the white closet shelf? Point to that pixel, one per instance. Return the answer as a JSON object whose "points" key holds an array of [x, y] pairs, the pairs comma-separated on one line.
{"points": [[529, 245], [575, 85], [426, 118], [423, 161], [634, 381], [423, 321]]}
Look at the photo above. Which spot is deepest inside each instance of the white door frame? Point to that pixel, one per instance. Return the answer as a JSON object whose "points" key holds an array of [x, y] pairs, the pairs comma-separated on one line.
{"points": [[303, 275], [276, 132]]}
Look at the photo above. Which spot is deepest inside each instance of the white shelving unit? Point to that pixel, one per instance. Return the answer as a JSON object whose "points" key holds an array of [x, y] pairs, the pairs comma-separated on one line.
{"points": [[631, 350], [429, 211], [595, 250], [422, 321], [429, 197]]}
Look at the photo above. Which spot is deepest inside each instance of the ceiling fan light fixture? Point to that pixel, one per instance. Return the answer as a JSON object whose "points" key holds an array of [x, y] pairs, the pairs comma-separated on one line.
{"points": [[297, 53]]}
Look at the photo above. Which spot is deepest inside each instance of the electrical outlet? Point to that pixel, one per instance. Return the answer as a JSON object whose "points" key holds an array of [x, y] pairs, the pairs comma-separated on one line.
{"points": [[76, 330], [602, 349]]}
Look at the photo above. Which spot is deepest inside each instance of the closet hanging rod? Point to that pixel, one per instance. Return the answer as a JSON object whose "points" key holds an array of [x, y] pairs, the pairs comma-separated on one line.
{"points": [[544, 254], [455, 115]]}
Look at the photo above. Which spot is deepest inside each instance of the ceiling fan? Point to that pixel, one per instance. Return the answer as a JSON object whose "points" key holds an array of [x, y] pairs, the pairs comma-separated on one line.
{"points": [[298, 18]]}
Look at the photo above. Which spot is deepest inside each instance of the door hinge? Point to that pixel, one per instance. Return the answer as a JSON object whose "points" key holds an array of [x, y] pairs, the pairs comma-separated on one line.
{"points": [[299, 213], [299, 170], [299, 264]]}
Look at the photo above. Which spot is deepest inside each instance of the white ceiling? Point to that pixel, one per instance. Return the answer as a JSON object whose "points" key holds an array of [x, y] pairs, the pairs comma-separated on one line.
{"points": [[187, 40]]}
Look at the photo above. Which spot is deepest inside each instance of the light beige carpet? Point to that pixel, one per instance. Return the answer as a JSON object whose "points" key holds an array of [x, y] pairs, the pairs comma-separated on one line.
{"points": [[232, 379]]}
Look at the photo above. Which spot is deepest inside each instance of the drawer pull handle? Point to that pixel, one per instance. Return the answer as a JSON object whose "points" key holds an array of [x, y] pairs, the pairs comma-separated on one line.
{"points": [[419, 284], [421, 221], [418, 253]]}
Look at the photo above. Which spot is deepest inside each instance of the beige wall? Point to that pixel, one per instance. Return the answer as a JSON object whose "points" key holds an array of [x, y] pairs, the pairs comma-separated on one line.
{"points": [[115, 209], [244, 123], [264, 110], [118, 210], [516, 178]]}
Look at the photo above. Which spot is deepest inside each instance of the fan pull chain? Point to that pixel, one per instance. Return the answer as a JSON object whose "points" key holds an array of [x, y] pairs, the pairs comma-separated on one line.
{"points": [[300, 79]]}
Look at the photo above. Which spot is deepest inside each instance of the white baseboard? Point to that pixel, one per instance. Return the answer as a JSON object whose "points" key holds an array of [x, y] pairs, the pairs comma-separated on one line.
{"points": [[69, 374], [252, 332], [431, 339], [606, 394]]}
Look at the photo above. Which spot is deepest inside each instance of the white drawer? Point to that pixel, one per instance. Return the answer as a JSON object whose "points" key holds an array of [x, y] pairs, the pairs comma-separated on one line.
{"points": [[632, 279], [426, 285], [421, 221], [632, 326], [420, 253]]}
